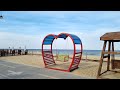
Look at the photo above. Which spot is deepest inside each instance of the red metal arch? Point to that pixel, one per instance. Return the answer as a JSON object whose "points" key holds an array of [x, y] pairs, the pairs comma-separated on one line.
{"points": [[75, 59], [43, 47]]}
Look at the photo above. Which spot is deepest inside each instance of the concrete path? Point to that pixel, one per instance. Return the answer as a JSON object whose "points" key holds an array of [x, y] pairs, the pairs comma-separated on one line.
{"points": [[10, 70]]}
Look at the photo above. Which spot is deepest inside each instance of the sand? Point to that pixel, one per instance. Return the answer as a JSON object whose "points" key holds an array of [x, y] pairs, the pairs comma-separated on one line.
{"points": [[87, 68], [34, 60]]}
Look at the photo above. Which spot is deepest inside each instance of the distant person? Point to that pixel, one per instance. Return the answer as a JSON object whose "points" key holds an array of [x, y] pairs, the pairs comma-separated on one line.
{"points": [[0, 52], [26, 52], [13, 51], [3, 52], [19, 51], [7, 52]]}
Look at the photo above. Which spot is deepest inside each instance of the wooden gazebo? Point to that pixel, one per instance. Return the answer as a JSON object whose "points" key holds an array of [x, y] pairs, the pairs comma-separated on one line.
{"points": [[109, 38]]}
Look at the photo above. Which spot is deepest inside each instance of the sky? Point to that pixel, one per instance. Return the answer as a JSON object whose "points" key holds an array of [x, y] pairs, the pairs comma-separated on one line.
{"points": [[28, 28]]}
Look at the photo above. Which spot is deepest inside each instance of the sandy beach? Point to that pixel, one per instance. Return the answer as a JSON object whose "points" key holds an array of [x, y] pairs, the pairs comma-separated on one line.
{"points": [[87, 68], [64, 35]]}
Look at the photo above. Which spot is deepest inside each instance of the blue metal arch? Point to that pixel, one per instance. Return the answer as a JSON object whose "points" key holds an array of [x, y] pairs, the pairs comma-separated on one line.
{"points": [[49, 39]]}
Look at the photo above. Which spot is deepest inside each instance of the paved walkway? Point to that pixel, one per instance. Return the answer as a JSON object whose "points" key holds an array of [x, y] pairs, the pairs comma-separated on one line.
{"points": [[10, 70]]}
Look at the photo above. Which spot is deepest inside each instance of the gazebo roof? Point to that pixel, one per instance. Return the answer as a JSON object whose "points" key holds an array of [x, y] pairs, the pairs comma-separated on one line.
{"points": [[114, 36]]}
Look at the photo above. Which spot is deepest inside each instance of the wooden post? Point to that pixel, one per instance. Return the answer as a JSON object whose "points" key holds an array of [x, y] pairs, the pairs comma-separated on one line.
{"points": [[108, 62], [101, 59], [113, 56]]}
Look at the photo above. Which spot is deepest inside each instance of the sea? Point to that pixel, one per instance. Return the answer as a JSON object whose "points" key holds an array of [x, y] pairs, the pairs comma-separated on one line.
{"points": [[63, 51], [69, 52]]}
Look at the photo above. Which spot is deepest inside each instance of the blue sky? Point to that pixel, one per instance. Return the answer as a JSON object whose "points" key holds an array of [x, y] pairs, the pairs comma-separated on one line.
{"points": [[20, 28]]}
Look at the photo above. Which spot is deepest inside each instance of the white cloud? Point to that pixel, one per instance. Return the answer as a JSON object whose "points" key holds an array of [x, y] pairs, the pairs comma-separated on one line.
{"points": [[90, 40], [74, 22], [19, 40]]}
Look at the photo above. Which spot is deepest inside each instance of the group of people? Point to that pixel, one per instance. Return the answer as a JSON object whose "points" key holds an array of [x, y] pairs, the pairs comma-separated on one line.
{"points": [[13, 52]]}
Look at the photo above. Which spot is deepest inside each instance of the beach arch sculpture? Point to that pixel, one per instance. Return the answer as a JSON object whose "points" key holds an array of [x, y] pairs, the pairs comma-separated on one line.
{"points": [[48, 56]]}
